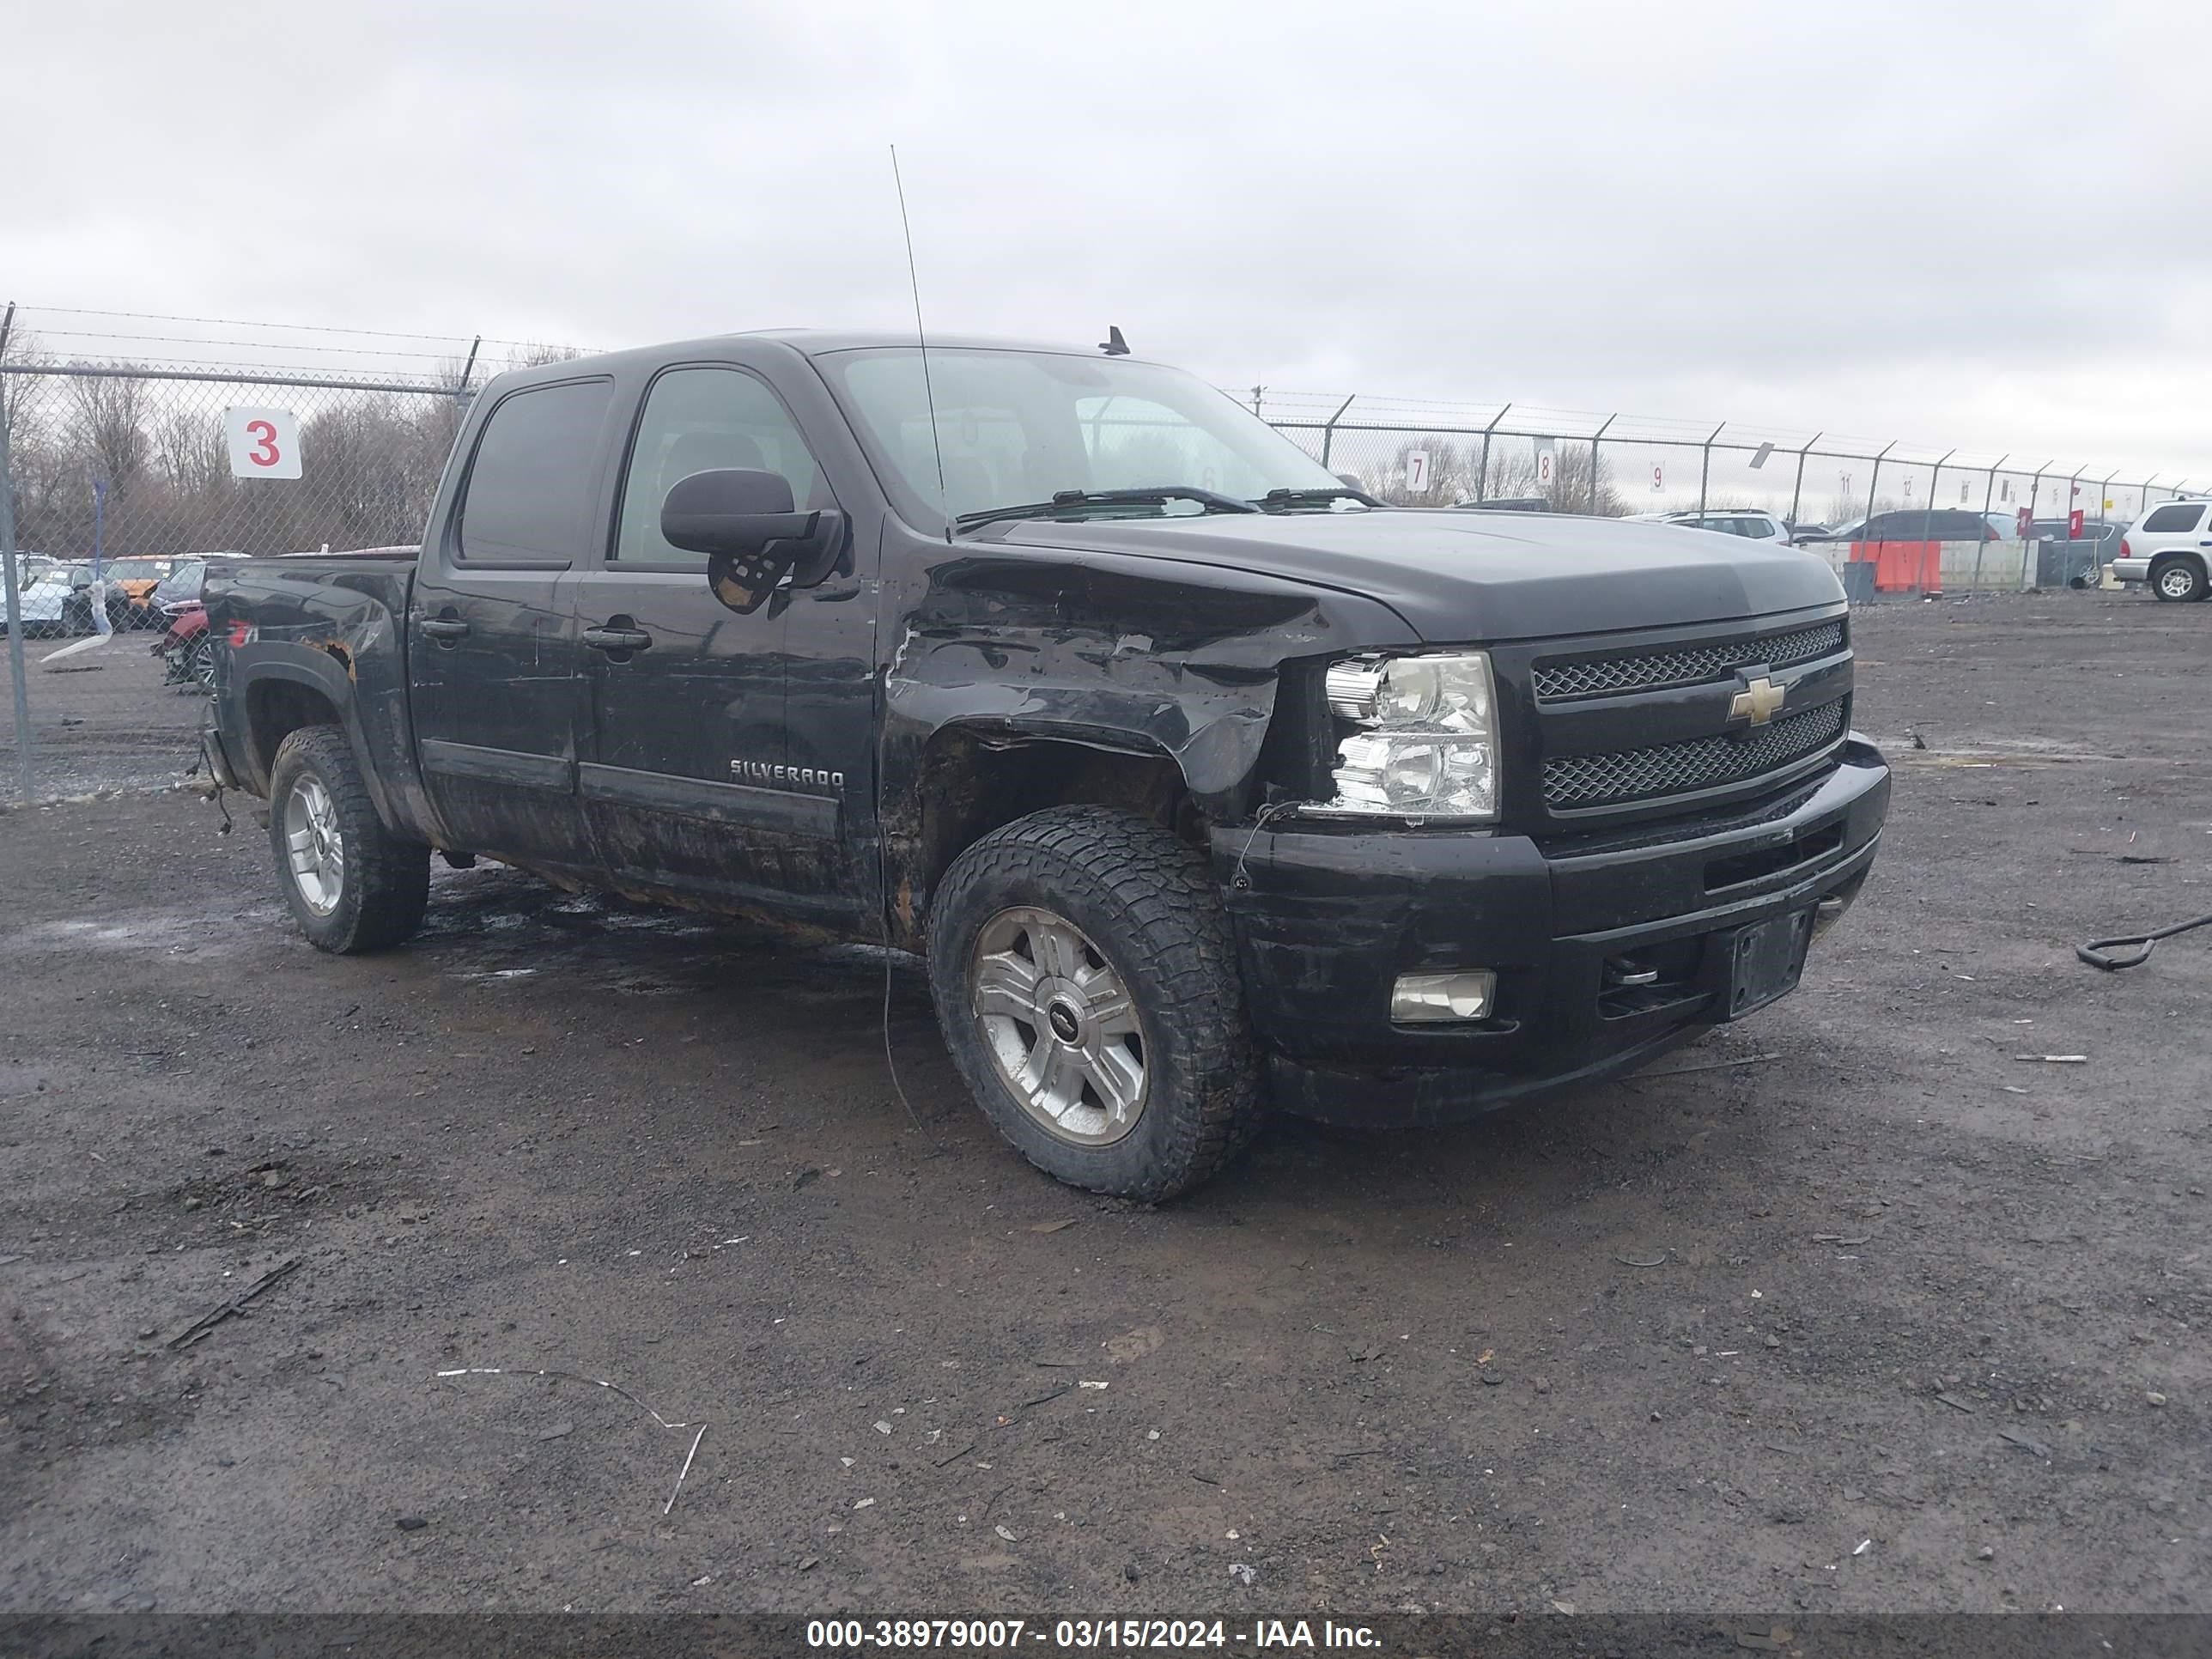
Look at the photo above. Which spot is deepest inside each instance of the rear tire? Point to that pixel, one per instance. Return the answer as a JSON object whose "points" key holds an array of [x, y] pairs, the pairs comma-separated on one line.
{"points": [[351, 883], [2178, 578], [1086, 982]]}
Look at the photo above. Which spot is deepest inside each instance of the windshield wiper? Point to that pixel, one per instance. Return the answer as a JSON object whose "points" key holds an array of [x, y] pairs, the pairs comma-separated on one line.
{"points": [[1284, 501], [1067, 503]]}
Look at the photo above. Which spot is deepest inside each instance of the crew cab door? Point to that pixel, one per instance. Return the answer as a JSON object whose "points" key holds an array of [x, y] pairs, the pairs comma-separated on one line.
{"points": [[689, 778], [492, 644]]}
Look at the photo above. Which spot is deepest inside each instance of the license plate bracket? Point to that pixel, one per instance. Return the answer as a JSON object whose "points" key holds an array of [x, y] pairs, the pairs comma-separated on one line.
{"points": [[1764, 960]]}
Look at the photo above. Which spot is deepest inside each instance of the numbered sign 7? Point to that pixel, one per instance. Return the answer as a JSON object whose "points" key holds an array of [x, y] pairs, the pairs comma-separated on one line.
{"points": [[264, 443]]}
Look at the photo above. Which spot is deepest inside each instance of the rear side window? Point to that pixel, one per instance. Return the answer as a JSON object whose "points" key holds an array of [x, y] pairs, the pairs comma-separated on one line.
{"points": [[533, 485], [2173, 516]]}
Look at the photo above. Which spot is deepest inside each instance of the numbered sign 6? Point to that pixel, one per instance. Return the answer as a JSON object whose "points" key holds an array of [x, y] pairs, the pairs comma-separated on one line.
{"points": [[264, 443]]}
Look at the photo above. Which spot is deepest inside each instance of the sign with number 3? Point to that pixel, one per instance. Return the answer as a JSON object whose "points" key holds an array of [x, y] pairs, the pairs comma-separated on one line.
{"points": [[264, 443]]}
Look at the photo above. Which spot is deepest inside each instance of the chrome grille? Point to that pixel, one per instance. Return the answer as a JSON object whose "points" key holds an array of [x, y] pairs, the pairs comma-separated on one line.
{"points": [[1678, 769], [1651, 671]]}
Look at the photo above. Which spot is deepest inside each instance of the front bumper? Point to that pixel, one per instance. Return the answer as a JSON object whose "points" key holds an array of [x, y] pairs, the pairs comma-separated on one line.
{"points": [[1327, 919]]}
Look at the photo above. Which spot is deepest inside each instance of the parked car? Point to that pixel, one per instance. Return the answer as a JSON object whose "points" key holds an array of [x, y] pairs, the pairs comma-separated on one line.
{"points": [[30, 566], [1734, 521], [1505, 504], [55, 602], [2168, 548], [185, 645], [1846, 531], [1203, 784], [131, 585], [1941, 524]]}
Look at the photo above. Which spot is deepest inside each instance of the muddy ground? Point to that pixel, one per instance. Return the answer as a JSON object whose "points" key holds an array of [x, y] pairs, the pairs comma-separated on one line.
{"points": [[1888, 1319]]}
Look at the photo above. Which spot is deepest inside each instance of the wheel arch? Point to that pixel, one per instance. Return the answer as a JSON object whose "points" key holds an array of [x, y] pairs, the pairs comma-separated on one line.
{"points": [[973, 777], [281, 698]]}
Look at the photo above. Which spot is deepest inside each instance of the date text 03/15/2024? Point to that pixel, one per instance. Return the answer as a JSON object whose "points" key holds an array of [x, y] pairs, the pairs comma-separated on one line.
{"points": [[1086, 1635]]}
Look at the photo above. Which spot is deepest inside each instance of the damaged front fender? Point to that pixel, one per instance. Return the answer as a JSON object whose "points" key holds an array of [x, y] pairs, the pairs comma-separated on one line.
{"points": [[1137, 656]]}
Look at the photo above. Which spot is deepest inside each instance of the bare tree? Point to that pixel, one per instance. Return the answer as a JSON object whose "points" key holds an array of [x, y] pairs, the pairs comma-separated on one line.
{"points": [[111, 428], [22, 350], [191, 452], [537, 354]]}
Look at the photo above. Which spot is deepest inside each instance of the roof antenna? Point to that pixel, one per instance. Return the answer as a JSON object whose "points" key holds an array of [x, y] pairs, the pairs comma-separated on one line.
{"points": [[1114, 345], [928, 393]]}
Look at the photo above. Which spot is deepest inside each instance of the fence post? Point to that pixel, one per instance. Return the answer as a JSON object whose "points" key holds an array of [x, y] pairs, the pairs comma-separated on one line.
{"points": [[1328, 431], [1797, 490], [15, 598], [1705, 465], [2142, 495], [1482, 479], [2034, 499], [1988, 496], [461, 391], [1928, 512], [1874, 486], [1594, 436]]}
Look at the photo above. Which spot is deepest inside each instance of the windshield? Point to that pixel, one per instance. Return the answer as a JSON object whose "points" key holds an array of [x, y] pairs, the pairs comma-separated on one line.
{"points": [[182, 583], [1021, 427]]}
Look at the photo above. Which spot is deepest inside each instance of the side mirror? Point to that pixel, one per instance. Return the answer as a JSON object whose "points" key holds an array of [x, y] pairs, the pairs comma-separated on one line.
{"points": [[744, 523]]}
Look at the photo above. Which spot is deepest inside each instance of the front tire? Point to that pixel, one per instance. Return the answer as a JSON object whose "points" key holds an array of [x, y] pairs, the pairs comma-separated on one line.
{"points": [[1085, 979], [351, 884], [2178, 579]]}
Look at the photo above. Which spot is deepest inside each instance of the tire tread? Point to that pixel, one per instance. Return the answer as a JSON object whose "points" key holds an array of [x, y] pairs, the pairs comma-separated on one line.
{"points": [[390, 875], [1177, 950]]}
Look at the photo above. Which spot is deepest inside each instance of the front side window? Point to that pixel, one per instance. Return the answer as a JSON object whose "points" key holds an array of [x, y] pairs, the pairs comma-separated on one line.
{"points": [[706, 420], [2173, 517], [533, 488], [1017, 428]]}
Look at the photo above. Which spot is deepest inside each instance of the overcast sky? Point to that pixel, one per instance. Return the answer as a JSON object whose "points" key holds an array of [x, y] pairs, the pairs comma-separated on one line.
{"points": [[1981, 224]]}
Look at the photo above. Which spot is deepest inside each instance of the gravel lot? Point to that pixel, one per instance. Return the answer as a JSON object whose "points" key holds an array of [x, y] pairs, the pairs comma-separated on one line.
{"points": [[1679, 1343]]}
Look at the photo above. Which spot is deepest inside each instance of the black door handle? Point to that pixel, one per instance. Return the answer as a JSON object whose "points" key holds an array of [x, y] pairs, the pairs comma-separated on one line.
{"points": [[616, 639], [445, 628]]}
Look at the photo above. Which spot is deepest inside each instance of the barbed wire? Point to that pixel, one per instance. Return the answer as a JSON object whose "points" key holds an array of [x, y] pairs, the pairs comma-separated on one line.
{"points": [[240, 322]]}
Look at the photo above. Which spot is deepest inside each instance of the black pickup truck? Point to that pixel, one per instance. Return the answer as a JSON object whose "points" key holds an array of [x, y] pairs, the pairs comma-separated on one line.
{"points": [[1204, 781]]}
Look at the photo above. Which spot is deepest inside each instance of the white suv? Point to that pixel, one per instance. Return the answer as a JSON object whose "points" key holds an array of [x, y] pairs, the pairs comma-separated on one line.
{"points": [[1731, 521], [2167, 547]]}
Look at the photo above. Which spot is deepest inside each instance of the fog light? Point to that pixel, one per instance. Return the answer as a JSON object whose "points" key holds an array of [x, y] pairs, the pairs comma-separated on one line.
{"points": [[1430, 997]]}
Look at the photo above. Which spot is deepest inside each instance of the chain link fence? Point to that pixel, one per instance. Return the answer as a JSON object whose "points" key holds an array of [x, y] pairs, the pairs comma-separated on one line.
{"points": [[1919, 520], [131, 457]]}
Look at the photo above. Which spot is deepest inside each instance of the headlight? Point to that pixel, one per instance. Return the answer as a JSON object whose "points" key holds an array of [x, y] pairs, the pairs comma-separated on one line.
{"points": [[1430, 748]]}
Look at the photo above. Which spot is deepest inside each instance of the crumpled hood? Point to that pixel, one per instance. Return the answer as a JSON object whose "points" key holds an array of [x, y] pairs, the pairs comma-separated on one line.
{"points": [[1480, 577]]}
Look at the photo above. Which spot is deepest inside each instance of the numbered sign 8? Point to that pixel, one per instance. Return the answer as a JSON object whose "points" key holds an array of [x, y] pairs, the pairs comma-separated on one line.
{"points": [[264, 443]]}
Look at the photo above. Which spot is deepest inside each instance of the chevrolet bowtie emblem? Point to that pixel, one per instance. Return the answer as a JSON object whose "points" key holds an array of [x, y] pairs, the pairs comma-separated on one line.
{"points": [[1759, 700]]}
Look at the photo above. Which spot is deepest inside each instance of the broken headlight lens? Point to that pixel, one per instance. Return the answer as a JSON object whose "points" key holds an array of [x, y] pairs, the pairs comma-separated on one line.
{"points": [[1428, 749]]}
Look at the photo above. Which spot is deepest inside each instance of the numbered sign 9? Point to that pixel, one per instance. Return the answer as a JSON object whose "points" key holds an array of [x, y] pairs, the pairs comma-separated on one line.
{"points": [[264, 443]]}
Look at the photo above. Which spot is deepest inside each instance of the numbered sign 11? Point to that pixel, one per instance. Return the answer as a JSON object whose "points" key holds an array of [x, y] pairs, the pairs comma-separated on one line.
{"points": [[264, 443]]}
